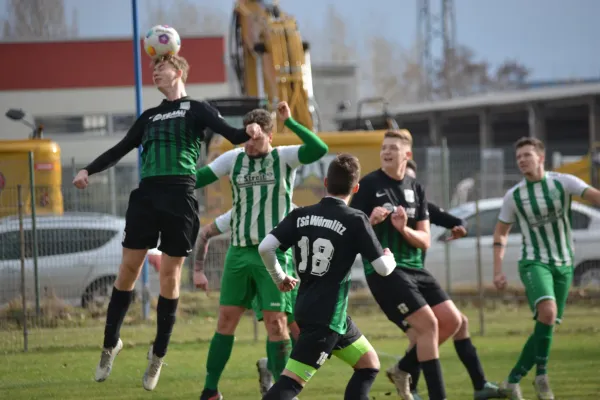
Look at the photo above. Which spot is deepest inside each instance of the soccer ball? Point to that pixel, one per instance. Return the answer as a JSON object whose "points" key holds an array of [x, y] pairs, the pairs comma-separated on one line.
{"points": [[162, 40]]}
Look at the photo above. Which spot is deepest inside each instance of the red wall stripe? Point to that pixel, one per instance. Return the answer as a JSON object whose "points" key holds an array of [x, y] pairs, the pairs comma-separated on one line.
{"points": [[92, 64]]}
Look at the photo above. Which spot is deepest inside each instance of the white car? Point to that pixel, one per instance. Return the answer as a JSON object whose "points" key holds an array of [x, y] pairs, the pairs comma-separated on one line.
{"points": [[78, 257], [463, 252]]}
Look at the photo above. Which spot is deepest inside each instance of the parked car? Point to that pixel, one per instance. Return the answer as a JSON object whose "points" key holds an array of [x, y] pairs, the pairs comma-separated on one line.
{"points": [[463, 252], [78, 257]]}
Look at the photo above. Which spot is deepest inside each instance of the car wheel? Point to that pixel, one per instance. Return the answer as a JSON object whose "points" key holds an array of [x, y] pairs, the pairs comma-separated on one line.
{"points": [[98, 293], [587, 274]]}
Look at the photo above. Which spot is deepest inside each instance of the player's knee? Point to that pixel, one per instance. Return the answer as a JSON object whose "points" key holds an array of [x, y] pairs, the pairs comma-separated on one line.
{"points": [[546, 312], [463, 329], [229, 317], [368, 360], [276, 325], [130, 268], [424, 322]]}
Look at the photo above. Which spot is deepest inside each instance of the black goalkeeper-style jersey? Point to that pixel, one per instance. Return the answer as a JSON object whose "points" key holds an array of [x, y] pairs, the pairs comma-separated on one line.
{"points": [[379, 190], [171, 136], [326, 237]]}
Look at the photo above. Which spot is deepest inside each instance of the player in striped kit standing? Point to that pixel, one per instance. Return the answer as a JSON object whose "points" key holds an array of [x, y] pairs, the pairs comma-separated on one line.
{"points": [[221, 225], [262, 181], [541, 205]]}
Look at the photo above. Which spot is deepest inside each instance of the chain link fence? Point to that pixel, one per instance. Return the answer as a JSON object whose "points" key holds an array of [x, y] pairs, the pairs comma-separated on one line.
{"points": [[57, 270]]}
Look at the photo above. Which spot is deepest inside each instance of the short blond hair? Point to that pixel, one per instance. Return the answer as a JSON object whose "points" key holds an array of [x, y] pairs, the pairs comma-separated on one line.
{"points": [[178, 62], [402, 134]]}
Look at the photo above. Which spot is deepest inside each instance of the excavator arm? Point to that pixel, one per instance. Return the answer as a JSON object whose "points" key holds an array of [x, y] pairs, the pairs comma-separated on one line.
{"points": [[270, 59]]}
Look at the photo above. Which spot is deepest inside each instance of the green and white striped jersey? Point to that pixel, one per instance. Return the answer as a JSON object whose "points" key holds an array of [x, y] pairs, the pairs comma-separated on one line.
{"points": [[223, 221], [543, 211], [262, 190]]}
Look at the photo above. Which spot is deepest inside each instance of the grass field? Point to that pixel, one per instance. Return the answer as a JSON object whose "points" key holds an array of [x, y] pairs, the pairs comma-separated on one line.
{"points": [[66, 370]]}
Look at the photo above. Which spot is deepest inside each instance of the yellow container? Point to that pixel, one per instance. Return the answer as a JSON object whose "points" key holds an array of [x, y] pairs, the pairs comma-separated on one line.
{"points": [[14, 171]]}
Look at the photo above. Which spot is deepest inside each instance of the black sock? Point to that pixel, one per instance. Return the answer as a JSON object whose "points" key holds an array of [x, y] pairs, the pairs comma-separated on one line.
{"points": [[284, 389], [410, 363], [117, 308], [468, 355], [166, 310], [410, 359], [359, 386], [432, 369], [415, 374]]}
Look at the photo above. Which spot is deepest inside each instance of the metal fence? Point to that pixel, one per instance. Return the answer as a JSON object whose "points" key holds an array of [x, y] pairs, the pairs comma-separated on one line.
{"points": [[57, 271]]}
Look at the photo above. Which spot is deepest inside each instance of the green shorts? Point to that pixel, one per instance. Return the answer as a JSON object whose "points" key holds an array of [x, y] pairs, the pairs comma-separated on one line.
{"points": [[543, 282], [246, 277], [290, 316]]}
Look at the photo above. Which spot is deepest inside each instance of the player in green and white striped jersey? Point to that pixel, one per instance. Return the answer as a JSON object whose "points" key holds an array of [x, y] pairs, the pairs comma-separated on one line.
{"points": [[221, 225], [262, 181], [541, 205]]}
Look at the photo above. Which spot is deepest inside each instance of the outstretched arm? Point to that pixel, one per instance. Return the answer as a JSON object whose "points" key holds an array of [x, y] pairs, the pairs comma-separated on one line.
{"points": [[109, 158], [212, 119]]}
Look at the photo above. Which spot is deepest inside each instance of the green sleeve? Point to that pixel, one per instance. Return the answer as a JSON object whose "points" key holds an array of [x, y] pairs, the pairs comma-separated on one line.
{"points": [[205, 176], [313, 148]]}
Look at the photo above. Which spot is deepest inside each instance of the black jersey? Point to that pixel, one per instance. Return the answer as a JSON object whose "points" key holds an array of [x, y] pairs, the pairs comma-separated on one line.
{"points": [[171, 136], [379, 190], [326, 238]]}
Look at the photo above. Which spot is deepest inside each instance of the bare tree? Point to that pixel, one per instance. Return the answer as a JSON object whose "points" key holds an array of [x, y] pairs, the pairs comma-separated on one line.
{"points": [[340, 48], [510, 75], [460, 74], [38, 19], [395, 73], [187, 17]]}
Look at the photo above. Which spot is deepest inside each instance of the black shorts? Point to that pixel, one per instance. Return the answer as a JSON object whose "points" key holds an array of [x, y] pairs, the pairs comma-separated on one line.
{"points": [[405, 291], [317, 343], [165, 212]]}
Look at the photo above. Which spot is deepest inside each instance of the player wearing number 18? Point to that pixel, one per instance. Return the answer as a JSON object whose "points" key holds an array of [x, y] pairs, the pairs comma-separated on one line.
{"points": [[326, 237]]}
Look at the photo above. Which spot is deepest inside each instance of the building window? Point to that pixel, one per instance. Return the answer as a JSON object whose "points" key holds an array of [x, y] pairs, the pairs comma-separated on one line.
{"points": [[122, 122], [74, 124]]}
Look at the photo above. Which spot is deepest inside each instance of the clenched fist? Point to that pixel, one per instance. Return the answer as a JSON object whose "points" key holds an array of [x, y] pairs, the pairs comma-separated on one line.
{"points": [[253, 130], [283, 111], [81, 179]]}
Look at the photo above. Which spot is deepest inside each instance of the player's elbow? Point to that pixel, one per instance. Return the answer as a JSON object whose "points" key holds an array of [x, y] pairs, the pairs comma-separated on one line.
{"points": [[264, 247], [268, 245]]}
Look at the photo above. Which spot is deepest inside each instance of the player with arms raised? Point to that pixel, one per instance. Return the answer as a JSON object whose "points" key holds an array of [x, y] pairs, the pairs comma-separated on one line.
{"points": [[164, 204], [326, 238], [541, 205], [220, 225], [262, 180]]}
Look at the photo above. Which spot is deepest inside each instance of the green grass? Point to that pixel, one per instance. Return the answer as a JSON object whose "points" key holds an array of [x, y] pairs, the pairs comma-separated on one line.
{"points": [[62, 366]]}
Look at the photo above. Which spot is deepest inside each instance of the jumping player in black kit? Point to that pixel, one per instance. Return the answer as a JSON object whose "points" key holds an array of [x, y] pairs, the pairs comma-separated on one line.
{"points": [[397, 207], [164, 204], [326, 237]]}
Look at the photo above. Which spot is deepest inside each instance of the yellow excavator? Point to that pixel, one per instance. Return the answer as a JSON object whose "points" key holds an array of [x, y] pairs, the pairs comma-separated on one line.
{"points": [[272, 64]]}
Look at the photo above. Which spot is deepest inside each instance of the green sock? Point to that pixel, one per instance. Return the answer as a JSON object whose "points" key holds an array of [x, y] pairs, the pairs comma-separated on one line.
{"points": [[270, 356], [543, 341], [278, 354], [218, 355], [525, 362]]}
